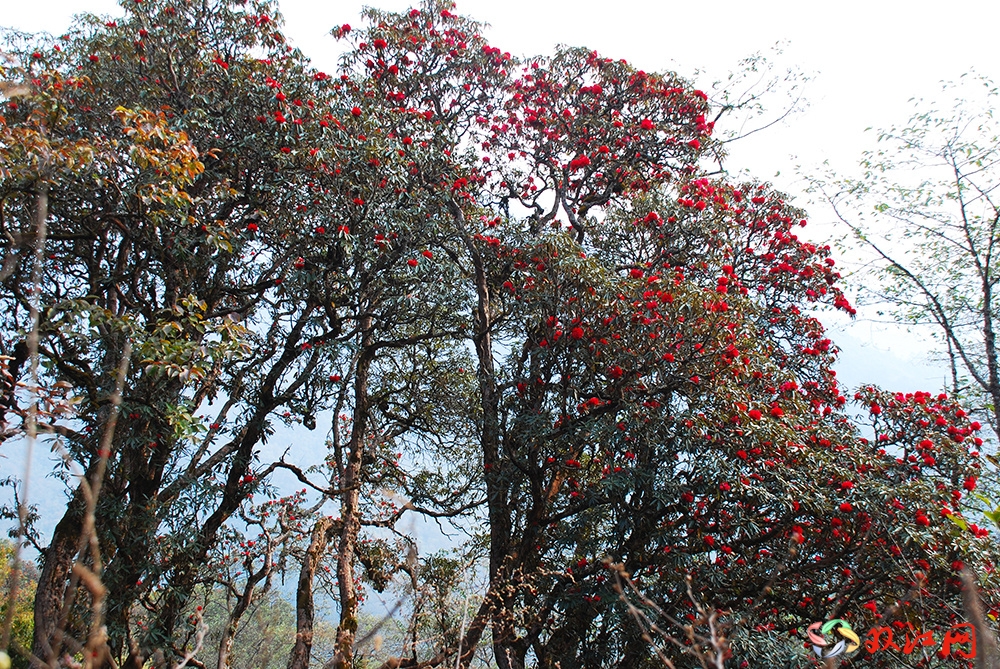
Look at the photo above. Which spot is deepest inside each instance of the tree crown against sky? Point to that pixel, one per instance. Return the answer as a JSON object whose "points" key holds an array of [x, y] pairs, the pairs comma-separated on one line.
{"points": [[511, 290], [924, 211]]}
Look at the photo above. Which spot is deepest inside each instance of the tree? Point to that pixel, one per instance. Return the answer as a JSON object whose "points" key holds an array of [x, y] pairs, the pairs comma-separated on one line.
{"points": [[926, 210], [626, 306], [516, 296], [139, 250], [206, 209]]}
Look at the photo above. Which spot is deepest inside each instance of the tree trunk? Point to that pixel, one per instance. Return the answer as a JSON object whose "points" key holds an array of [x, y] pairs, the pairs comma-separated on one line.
{"points": [[497, 488], [242, 604], [350, 506], [322, 532], [53, 582], [992, 364]]}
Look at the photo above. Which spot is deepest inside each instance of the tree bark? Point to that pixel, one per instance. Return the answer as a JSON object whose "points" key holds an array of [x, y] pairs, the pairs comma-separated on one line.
{"points": [[350, 505], [497, 488], [54, 580], [322, 532]]}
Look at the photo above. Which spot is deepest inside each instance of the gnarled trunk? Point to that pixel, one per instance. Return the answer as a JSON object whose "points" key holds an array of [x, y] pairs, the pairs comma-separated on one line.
{"points": [[54, 579]]}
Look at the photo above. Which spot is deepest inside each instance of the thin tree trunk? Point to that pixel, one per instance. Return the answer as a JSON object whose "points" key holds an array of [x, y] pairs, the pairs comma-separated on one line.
{"points": [[497, 489], [350, 506], [322, 532], [242, 604], [992, 366]]}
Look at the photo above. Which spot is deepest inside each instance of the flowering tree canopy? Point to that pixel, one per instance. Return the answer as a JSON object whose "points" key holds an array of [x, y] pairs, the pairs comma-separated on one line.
{"points": [[516, 298]]}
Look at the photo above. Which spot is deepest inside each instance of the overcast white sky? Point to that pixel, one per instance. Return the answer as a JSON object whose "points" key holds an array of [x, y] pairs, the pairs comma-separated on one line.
{"points": [[870, 57]]}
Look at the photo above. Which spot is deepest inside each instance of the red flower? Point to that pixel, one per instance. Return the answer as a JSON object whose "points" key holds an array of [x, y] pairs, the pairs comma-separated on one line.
{"points": [[970, 483], [252, 227], [94, 58], [412, 262], [777, 411], [635, 273], [876, 409], [755, 414], [846, 507], [694, 144], [427, 254], [356, 111], [320, 230], [576, 333], [379, 43], [300, 262], [646, 124], [279, 117]]}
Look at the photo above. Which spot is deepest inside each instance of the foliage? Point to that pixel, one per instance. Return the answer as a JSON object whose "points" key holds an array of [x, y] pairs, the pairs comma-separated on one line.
{"points": [[22, 619]]}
